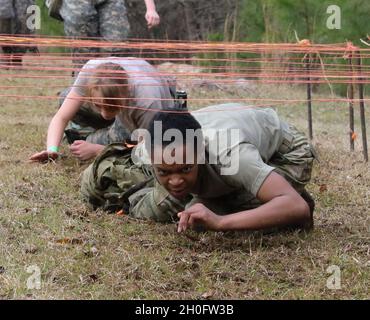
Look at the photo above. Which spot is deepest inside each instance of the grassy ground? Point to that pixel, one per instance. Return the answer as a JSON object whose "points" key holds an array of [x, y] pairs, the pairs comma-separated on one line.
{"points": [[92, 255]]}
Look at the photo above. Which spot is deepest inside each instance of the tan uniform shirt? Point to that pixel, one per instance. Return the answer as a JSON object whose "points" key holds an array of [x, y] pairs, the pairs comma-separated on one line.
{"points": [[259, 137]]}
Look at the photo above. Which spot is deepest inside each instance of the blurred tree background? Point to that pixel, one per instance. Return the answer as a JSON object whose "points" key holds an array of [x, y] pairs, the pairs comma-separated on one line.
{"points": [[270, 21], [243, 20]]}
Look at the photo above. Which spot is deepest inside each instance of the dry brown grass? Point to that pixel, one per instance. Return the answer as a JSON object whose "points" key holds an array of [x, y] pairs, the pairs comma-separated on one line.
{"points": [[92, 255]]}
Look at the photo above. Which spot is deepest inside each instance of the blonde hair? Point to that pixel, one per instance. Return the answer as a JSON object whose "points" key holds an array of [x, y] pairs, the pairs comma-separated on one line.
{"points": [[109, 83]]}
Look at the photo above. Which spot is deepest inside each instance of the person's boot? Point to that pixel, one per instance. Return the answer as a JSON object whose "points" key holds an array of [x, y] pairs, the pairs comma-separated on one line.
{"points": [[5, 62], [311, 203], [6, 57], [6, 29], [16, 60]]}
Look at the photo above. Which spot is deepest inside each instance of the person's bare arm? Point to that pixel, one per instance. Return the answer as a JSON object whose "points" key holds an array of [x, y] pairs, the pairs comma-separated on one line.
{"points": [[59, 122], [151, 14], [57, 125], [282, 206]]}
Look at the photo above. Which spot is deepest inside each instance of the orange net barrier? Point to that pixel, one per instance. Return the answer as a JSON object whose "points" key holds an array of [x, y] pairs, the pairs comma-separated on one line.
{"points": [[299, 63], [229, 65]]}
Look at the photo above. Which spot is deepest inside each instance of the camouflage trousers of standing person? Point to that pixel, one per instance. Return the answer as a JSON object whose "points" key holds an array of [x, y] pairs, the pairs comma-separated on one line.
{"points": [[89, 125], [13, 21], [293, 161], [106, 19]]}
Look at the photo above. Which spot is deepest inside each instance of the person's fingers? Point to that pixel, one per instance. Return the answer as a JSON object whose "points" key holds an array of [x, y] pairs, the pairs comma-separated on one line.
{"points": [[34, 156], [53, 155], [179, 225], [43, 156], [197, 217], [152, 20], [150, 24], [76, 154], [184, 216], [40, 156], [74, 151], [75, 146], [191, 220], [37, 159], [156, 21], [77, 142]]}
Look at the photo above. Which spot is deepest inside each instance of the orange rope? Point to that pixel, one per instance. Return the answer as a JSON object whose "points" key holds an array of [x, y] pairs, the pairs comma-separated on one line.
{"points": [[220, 63]]}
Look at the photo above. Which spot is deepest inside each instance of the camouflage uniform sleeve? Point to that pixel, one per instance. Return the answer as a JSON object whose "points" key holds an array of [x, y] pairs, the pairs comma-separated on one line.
{"points": [[156, 204]]}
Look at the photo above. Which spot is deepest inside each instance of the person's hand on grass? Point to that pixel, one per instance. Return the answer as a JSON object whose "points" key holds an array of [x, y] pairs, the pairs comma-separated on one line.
{"points": [[198, 214], [84, 150], [44, 156]]}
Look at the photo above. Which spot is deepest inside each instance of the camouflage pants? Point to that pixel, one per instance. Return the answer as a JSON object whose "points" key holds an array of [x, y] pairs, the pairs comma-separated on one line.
{"points": [[111, 175], [92, 127], [105, 19], [293, 161], [13, 21]]}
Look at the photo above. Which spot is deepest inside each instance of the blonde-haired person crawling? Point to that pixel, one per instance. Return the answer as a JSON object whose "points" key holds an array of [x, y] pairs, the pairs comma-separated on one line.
{"points": [[114, 96]]}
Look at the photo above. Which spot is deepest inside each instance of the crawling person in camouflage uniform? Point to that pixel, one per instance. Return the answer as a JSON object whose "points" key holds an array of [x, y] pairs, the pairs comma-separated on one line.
{"points": [[105, 19], [13, 21], [110, 98], [253, 180]]}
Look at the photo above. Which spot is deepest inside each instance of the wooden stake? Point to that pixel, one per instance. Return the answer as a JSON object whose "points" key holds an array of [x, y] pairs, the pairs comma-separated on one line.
{"points": [[350, 91], [309, 97], [362, 109]]}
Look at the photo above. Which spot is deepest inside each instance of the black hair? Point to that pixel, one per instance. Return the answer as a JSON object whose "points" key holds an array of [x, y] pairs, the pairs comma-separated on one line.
{"points": [[181, 121]]}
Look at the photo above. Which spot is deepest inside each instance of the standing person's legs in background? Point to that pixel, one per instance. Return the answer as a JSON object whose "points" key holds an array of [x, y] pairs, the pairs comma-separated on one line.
{"points": [[106, 19], [21, 28], [81, 20], [6, 28], [13, 21], [113, 24]]}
